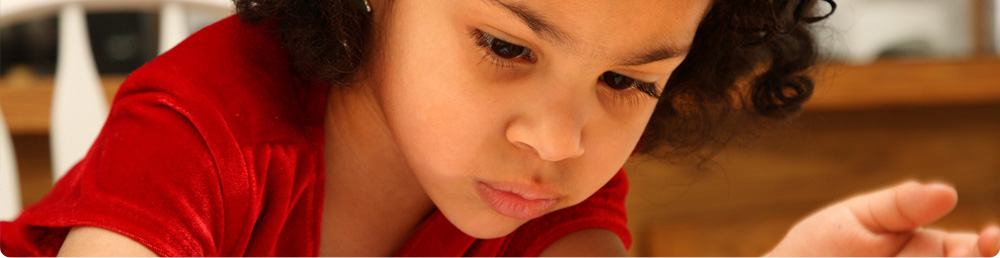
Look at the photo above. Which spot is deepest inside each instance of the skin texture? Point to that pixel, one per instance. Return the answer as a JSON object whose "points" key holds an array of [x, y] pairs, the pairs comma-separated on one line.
{"points": [[438, 114], [93, 241]]}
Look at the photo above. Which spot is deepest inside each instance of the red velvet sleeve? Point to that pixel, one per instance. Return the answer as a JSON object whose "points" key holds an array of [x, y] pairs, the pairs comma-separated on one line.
{"points": [[604, 210], [161, 172]]}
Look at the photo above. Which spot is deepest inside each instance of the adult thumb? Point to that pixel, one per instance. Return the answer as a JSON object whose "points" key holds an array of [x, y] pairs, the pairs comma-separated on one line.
{"points": [[904, 207]]}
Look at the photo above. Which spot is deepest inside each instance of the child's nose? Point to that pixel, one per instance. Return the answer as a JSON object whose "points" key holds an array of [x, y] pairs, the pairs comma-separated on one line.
{"points": [[552, 130], [551, 141]]}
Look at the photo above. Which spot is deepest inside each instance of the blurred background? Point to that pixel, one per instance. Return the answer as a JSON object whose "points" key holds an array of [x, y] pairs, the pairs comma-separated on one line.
{"points": [[909, 89]]}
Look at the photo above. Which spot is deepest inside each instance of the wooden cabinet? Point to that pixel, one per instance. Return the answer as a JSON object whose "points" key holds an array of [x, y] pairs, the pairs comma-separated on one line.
{"points": [[908, 82]]}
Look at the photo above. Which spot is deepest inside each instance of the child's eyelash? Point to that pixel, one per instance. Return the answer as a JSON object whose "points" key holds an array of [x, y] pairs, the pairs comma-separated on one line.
{"points": [[489, 44], [633, 96], [512, 52], [622, 86]]}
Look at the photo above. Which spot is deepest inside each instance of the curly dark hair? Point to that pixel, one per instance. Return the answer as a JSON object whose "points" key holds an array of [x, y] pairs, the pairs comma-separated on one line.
{"points": [[747, 66]]}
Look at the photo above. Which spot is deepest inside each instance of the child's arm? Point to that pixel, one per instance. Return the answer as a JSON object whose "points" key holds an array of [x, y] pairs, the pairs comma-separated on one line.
{"points": [[94, 241], [587, 242], [887, 223]]}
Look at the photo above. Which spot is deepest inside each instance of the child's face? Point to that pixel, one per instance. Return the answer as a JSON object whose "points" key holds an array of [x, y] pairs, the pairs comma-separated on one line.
{"points": [[497, 134]]}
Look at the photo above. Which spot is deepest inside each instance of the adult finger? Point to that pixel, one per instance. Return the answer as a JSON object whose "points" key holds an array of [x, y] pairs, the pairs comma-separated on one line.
{"points": [[904, 207], [969, 244], [989, 241], [960, 245], [924, 242]]}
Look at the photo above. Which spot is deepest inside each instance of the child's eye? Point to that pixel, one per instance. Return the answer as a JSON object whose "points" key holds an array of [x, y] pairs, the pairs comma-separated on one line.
{"points": [[620, 82], [502, 49], [507, 50]]}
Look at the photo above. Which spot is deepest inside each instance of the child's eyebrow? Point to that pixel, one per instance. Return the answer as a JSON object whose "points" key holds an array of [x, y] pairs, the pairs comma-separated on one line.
{"points": [[552, 33], [655, 54], [534, 21]]}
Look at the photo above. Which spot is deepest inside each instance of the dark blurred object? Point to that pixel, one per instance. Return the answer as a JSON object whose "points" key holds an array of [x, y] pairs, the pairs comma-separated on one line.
{"points": [[120, 42], [32, 44]]}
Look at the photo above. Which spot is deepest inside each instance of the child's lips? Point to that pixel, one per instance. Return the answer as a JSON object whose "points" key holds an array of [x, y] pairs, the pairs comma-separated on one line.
{"points": [[518, 201]]}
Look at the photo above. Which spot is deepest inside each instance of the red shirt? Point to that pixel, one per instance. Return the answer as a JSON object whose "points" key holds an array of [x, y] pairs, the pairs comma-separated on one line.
{"points": [[215, 148]]}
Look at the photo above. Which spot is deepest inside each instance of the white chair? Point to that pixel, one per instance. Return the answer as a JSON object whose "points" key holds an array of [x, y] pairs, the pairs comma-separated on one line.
{"points": [[995, 16], [10, 194], [79, 107]]}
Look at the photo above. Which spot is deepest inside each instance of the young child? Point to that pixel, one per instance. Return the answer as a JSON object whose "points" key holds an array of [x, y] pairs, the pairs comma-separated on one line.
{"points": [[444, 128]]}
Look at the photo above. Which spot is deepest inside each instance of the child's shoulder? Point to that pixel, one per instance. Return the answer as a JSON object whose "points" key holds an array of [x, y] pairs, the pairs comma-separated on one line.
{"points": [[241, 72], [184, 163]]}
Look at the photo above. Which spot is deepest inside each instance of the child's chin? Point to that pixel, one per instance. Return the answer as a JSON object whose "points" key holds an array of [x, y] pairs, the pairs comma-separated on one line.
{"points": [[488, 228]]}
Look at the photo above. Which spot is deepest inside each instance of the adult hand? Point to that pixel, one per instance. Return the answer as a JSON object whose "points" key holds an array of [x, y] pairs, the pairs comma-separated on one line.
{"points": [[888, 222]]}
